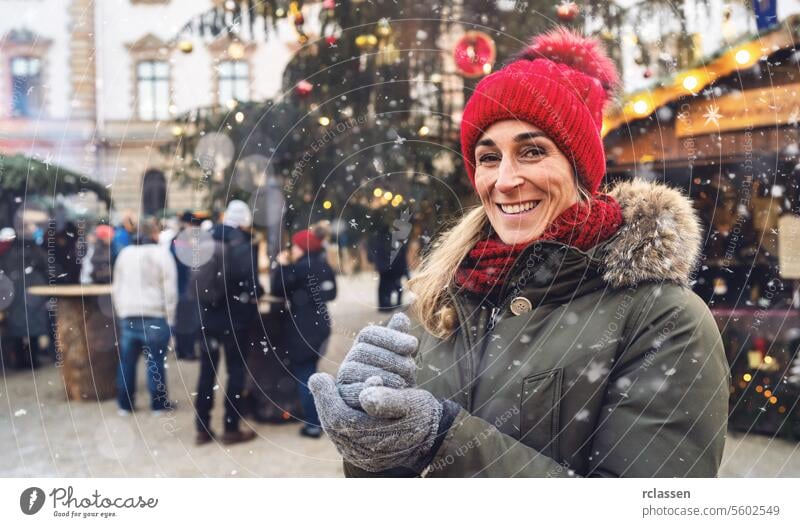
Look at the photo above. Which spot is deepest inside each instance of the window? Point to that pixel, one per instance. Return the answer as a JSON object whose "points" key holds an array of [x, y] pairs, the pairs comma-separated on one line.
{"points": [[234, 81], [25, 86], [153, 90]]}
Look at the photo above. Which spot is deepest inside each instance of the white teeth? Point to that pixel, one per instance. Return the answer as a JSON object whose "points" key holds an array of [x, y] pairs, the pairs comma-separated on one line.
{"points": [[518, 207]]}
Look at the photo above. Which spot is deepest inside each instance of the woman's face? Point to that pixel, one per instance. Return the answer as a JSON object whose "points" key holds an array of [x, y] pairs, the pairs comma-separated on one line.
{"points": [[523, 180]]}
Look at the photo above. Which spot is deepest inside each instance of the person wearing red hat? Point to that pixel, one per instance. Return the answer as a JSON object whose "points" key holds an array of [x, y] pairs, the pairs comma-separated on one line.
{"points": [[305, 279], [554, 331]]}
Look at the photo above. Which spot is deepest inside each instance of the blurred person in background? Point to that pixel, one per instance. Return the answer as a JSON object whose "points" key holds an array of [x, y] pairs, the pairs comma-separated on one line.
{"points": [[101, 254], [123, 234], [144, 293], [227, 291], [96, 263], [187, 320], [305, 279], [23, 264], [387, 252]]}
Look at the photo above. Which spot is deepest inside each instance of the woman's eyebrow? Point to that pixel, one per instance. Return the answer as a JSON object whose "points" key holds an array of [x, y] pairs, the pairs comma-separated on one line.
{"points": [[526, 136], [485, 142]]}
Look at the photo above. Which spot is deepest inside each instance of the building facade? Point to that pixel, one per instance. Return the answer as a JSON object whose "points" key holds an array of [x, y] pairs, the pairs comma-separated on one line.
{"points": [[93, 85]]}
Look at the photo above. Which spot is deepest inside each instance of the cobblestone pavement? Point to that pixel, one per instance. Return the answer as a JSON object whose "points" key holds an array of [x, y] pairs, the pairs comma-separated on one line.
{"points": [[43, 434]]}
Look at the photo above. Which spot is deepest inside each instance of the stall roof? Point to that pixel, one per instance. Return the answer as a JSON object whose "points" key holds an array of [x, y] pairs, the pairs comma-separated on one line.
{"points": [[23, 174], [739, 56]]}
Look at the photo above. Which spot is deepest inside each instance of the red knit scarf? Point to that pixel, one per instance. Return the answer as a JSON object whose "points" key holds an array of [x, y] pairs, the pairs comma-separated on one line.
{"points": [[581, 226]]}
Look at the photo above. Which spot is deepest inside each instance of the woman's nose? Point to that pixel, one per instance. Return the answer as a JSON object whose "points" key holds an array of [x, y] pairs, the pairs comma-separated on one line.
{"points": [[508, 176]]}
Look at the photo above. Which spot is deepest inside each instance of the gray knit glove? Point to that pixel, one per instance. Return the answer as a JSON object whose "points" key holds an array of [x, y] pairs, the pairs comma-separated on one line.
{"points": [[397, 428], [385, 352]]}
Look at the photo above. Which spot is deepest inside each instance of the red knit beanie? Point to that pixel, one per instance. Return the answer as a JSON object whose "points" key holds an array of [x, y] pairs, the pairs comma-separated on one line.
{"points": [[559, 84], [307, 241]]}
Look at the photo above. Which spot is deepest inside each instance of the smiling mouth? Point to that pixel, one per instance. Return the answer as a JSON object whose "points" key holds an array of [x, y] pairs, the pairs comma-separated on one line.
{"points": [[517, 208]]}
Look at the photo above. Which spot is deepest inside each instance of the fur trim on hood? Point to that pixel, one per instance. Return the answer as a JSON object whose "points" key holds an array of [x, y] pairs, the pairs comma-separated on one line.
{"points": [[660, 238]]}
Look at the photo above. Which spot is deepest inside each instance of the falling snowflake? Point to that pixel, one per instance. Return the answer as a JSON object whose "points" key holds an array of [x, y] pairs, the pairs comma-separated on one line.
{"points": [[794, 117], [712, 114], [399, 140], [582, 415], [595, 371]]}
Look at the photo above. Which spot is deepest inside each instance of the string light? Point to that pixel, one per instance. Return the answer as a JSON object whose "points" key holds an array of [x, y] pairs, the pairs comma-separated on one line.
{"points": [[742, 56], [690, 82], [641, 107]]}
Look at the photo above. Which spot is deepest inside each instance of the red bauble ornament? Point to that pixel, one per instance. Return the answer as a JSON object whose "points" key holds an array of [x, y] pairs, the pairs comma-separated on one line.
{"points": [[567, 11], [474, 54], [303, 88], [331, 40], [647, 73], [299, 19], [328, 4]]}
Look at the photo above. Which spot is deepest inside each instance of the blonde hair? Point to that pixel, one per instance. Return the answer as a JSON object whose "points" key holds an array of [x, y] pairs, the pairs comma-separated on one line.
{"points": [[433, 307]]}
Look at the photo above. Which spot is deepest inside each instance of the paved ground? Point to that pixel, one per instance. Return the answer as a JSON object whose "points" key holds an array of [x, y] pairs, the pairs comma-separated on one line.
{"points": [[43, 434]]}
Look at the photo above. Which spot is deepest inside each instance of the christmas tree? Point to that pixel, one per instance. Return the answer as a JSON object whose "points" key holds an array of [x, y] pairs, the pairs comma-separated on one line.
{"points": [[368, 121]]}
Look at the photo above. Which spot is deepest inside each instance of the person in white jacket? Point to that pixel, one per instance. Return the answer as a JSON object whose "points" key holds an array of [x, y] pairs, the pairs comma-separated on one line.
{"points": [[144, 292]]}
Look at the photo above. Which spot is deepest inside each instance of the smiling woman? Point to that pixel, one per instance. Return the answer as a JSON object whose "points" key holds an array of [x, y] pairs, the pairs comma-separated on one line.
{"points": [[523, 180], [555, 332]]}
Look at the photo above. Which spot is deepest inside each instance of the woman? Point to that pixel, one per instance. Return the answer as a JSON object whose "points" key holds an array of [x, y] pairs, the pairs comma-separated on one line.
{"points": [[306, 280], [557, 333]]}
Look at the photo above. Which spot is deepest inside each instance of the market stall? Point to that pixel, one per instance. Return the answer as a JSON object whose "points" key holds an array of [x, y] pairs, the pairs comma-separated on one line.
{"points": [[726, 132]]}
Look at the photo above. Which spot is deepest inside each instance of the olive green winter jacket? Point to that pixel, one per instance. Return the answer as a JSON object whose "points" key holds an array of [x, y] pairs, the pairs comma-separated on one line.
{"points": [[599, 363]]}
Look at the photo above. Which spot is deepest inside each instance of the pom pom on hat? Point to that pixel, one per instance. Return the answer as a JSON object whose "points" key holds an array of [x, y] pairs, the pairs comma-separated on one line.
{"points": [[563, 46]]}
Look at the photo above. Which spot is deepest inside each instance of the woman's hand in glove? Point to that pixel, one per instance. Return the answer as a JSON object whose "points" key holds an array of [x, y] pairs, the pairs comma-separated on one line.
{"points": [[397, 427], [385, 352]]}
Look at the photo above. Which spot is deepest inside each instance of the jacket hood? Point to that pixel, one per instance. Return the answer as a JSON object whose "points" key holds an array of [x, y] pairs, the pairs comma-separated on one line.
{"points": [[660, 238]]}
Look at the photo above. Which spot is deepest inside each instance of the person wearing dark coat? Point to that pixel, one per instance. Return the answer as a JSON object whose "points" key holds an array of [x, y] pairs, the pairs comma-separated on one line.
{"points": [[101, 255], [187, 321], [226, 290], [387, 252], [22, 264], [307, 282]]}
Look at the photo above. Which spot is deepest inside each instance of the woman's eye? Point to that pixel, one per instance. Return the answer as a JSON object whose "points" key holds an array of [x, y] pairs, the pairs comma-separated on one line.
{"points": [[533, 152], [488, 158]]}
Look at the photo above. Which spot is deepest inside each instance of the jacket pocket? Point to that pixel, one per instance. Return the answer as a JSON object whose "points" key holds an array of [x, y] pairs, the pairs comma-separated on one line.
{"points": [[539, 411]]}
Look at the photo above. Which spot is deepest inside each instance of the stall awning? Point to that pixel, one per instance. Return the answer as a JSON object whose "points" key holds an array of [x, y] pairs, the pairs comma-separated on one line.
{"points": [[737, 57]]}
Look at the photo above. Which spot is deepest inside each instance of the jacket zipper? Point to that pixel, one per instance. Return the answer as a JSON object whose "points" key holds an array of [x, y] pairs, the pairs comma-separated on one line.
{"points": [[493, 319], [465, 336]]}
